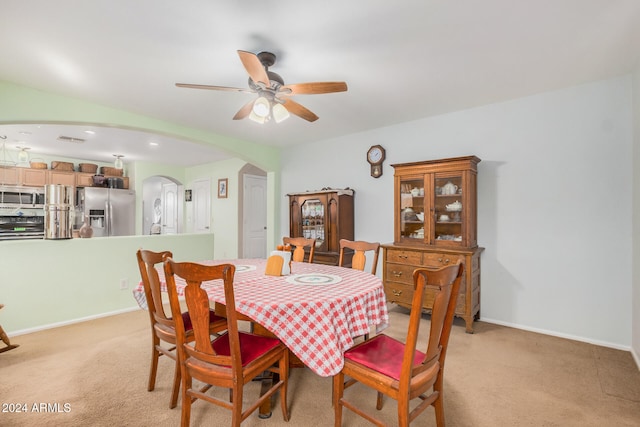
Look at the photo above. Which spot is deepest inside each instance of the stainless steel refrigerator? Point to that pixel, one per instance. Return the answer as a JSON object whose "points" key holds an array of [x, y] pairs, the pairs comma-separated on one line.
{"points": [[111, 211]]}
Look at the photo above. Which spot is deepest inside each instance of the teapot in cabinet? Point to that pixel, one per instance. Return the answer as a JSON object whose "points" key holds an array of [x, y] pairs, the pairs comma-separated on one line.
{"points": [[449, 188]]}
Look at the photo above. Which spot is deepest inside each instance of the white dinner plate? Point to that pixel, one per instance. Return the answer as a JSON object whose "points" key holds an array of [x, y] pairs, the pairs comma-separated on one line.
{"points": [[242, 268], [314, 279]]}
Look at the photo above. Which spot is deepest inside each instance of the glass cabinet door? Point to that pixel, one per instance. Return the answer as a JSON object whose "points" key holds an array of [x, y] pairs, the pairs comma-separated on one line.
{"points": [[313, 220], [448, 209], [412, 209]]}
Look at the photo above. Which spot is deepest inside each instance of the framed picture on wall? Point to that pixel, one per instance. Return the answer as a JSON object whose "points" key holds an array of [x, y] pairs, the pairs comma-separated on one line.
{"points": [[222, 188]]}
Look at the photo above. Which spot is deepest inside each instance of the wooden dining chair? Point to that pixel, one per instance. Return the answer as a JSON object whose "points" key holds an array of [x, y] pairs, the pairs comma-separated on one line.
{"points": [[231, 360], [399, 370], [163, 326], [359, 248], [298, 244]]}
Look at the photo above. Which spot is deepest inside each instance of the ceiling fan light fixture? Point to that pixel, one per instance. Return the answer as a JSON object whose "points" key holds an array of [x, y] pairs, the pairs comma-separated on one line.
{"points": [[280, 113], [262, 107], [256, 118]]}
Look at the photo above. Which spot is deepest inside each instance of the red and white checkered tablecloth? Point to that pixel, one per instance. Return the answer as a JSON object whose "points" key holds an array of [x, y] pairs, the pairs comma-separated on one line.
{"points": [[317, 322]]}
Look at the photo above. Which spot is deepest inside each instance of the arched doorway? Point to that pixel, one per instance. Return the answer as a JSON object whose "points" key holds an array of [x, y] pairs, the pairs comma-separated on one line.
{"points": [[162, 205]]}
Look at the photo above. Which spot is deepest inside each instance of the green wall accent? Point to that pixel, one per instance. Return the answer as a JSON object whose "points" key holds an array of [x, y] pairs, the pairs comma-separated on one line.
{"points": [[47, 283], [20, 104]]}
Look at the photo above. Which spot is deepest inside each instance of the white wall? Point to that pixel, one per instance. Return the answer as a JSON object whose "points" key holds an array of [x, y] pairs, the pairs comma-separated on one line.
{"points": [[224, 212], [554, 201]]}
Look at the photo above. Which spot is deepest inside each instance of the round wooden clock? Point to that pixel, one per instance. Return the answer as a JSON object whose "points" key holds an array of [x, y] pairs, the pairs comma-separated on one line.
{"points": [[375, 157]]}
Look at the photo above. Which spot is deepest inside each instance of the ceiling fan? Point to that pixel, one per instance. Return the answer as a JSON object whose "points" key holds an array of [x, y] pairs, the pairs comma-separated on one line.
{"points": [[274, 97]]}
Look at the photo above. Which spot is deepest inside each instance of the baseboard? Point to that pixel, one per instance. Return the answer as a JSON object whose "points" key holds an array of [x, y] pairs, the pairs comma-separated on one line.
{"points": [[636, 358], [71, 322], [560, 335]]}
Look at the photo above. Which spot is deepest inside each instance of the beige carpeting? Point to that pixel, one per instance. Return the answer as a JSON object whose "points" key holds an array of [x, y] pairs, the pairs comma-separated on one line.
{"points": [[95, 374]]}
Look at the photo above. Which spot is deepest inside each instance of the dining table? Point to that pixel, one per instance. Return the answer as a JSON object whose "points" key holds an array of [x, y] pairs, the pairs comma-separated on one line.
{"points": [[317, 310]]}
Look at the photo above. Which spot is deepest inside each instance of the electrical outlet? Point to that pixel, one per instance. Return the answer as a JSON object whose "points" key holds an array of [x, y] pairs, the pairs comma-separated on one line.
{"points": [[124, 284]]}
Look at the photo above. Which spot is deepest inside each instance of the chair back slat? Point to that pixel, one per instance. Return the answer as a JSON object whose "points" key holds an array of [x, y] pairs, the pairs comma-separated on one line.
{"points": [[147, 260], [359, 248], [445, 284], [198, 304], [299, 243]]}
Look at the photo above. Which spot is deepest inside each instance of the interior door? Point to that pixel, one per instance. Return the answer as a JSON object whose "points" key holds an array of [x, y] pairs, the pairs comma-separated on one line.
{"points": [[169, 208], [202, 206], [254, 217]]}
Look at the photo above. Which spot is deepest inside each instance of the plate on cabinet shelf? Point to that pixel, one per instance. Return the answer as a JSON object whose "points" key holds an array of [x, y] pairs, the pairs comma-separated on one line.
{"points": [[449, 237]]}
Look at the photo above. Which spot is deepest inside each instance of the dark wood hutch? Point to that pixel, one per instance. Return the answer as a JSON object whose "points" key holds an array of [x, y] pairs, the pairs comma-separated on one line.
{"points": [[327, 216]]}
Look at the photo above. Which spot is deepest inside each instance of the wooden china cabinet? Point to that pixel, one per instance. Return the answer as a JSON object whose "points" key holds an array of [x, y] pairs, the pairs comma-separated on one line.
{"points": [[325, 215], [435, 224]]}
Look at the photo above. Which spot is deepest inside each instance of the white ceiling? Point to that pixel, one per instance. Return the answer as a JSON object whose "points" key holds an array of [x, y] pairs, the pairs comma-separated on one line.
{"points": [[402, 61]]}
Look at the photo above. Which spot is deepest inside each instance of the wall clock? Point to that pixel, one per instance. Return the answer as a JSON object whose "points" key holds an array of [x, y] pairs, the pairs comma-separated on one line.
{"points": [[375, 157]]}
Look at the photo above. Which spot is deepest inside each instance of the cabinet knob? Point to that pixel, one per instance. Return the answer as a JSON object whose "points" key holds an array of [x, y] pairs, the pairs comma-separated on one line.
{"points": [[397, 273], [396, 293]]}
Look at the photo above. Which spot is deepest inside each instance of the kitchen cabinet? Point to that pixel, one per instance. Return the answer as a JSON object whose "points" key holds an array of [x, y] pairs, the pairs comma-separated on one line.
{"points": [[31, 177], [327, 216], [34, 177], [10, 175], [62, 177], [84, 179], [435, 224]]}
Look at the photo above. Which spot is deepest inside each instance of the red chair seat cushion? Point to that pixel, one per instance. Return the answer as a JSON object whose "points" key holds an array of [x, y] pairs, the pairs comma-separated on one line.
{"points": [[251, 346], [382, 354], [186, 319]]}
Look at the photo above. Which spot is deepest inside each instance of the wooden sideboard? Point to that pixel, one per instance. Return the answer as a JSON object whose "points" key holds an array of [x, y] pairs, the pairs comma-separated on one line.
{"points": [[399, 262]]}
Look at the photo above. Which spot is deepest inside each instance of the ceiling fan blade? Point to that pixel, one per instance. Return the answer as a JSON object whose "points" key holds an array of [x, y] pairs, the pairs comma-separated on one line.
{"points": [[209, 87], [244, 111], [254, 67], [314, 88], [300, 111]]}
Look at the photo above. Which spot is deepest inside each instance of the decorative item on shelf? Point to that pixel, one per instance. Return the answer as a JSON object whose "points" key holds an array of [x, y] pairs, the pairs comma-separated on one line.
{"points": [[87, 168], [38, 164], [85, 231], [415, 192], [454, 207], [118, 162], [105, 170], [62, 166], [449, 189], [409, 214]]}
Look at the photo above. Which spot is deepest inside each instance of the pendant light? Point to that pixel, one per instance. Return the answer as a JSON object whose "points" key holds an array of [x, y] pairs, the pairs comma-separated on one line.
{"points": [[118, 162], [23, 156]]}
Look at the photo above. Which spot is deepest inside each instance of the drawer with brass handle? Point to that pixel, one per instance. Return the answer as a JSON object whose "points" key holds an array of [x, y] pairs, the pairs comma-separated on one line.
{"points": [[404, 257], [399, 293], [399, 273]]}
